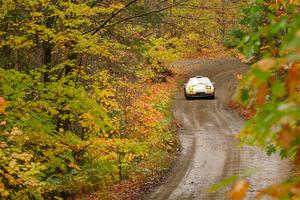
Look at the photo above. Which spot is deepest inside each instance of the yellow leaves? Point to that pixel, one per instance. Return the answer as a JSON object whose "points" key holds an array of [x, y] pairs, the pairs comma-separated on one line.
{"points": [[130, 157], [22, 156], [18, 166], [8, 5], [117, 6], [93, 46], [10, 179], [36, 14], [2, 33], [238, 76], [79, 10], [3, 191], [17, 42], [88, 121], [109, 9], [110, 149], [12, 164], [239, 190], [74, 166], [162, 50], [15, 133], [44, 33]]}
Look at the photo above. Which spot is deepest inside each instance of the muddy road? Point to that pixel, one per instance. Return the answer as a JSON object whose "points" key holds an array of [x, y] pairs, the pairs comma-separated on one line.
{"points": [[209, 152]]}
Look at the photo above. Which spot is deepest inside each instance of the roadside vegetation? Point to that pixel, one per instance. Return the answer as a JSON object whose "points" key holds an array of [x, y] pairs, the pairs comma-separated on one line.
{"points": [[269, 36], [86, 91], [85, 94], [83, 104]]}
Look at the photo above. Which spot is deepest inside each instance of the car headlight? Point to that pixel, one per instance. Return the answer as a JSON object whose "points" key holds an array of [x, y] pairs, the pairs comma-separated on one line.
{"points": [[191, 88], [208, 87]]}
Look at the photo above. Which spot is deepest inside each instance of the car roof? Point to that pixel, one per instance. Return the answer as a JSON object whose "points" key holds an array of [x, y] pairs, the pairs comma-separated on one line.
{"points": [[199, 79]]}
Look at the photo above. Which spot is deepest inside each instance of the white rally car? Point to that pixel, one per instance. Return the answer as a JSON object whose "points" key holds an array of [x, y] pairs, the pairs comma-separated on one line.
{"points": [[199, 86]]}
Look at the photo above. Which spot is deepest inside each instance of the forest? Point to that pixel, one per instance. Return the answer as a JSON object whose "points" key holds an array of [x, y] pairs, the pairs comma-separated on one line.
{"points": [[86, 90]]}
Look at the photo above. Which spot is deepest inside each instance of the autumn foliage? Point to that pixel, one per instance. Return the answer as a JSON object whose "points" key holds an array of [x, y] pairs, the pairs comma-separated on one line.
{"points": [[271, 87], [84, 96]]}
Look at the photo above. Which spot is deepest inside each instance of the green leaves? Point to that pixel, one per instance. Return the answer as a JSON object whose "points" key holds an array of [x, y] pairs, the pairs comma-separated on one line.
{"points": [[278, 89], [244, 96], [161, 50], [70, 82], [273, 83], [223, 184]]}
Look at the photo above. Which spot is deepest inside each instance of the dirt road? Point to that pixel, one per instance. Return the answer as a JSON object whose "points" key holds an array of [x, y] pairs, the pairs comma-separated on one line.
{"points": [[209, 152]]}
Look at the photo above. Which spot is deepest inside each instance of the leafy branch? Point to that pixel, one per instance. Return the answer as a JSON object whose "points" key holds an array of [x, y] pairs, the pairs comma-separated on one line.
{"points": [[106, 23], [114, 14]]}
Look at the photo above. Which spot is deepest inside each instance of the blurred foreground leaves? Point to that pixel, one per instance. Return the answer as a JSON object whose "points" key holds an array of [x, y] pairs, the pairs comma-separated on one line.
{"points": [[271, 88]]}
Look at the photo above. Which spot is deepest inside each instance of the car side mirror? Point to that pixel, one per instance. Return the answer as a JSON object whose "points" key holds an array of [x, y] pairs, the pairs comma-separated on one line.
{"points": [[213, 83]]}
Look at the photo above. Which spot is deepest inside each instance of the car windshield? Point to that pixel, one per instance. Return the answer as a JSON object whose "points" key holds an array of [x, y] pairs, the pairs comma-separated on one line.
{"points": [[196, 81]]}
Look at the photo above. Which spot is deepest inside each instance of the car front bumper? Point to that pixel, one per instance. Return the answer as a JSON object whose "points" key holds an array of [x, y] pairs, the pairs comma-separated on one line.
{"points": [[200, 95]]}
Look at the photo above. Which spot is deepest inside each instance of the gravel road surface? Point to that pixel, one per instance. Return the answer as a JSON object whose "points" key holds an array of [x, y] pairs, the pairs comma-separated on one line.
{"points": [[209, 151]]}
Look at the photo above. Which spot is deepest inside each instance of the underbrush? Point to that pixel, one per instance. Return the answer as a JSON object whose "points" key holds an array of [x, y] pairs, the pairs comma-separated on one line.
{"points": [[60, 140]]}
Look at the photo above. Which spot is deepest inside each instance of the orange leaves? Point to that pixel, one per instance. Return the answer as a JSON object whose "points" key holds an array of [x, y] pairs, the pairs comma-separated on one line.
{"points": [[239, 190], [3, 105], [285, 138], [281, 190], [257, 83], [293, 80], [274, 191], [158, 94], [266, 64], [295, 190], [272, 88], [275, 77], [74, 166], [238, 76], [295, 2], [262, 92], [297, 158]]}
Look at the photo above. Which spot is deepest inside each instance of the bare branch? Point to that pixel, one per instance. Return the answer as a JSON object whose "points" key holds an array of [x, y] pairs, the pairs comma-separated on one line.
{"points": [[190, 6], [114, 14], [141, 15], [106, 24], [193, 18]]}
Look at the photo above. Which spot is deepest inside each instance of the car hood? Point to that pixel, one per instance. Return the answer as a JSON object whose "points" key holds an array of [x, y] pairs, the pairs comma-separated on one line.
{"points": [[199, 85]]}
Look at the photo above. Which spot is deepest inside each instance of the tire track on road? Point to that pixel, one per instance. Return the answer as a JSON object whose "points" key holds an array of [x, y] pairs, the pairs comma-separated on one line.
{"points": [[209, 151]]}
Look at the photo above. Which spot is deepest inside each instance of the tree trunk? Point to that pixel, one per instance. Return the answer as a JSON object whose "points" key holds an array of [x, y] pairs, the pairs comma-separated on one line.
{"points": [[47, 48]]}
